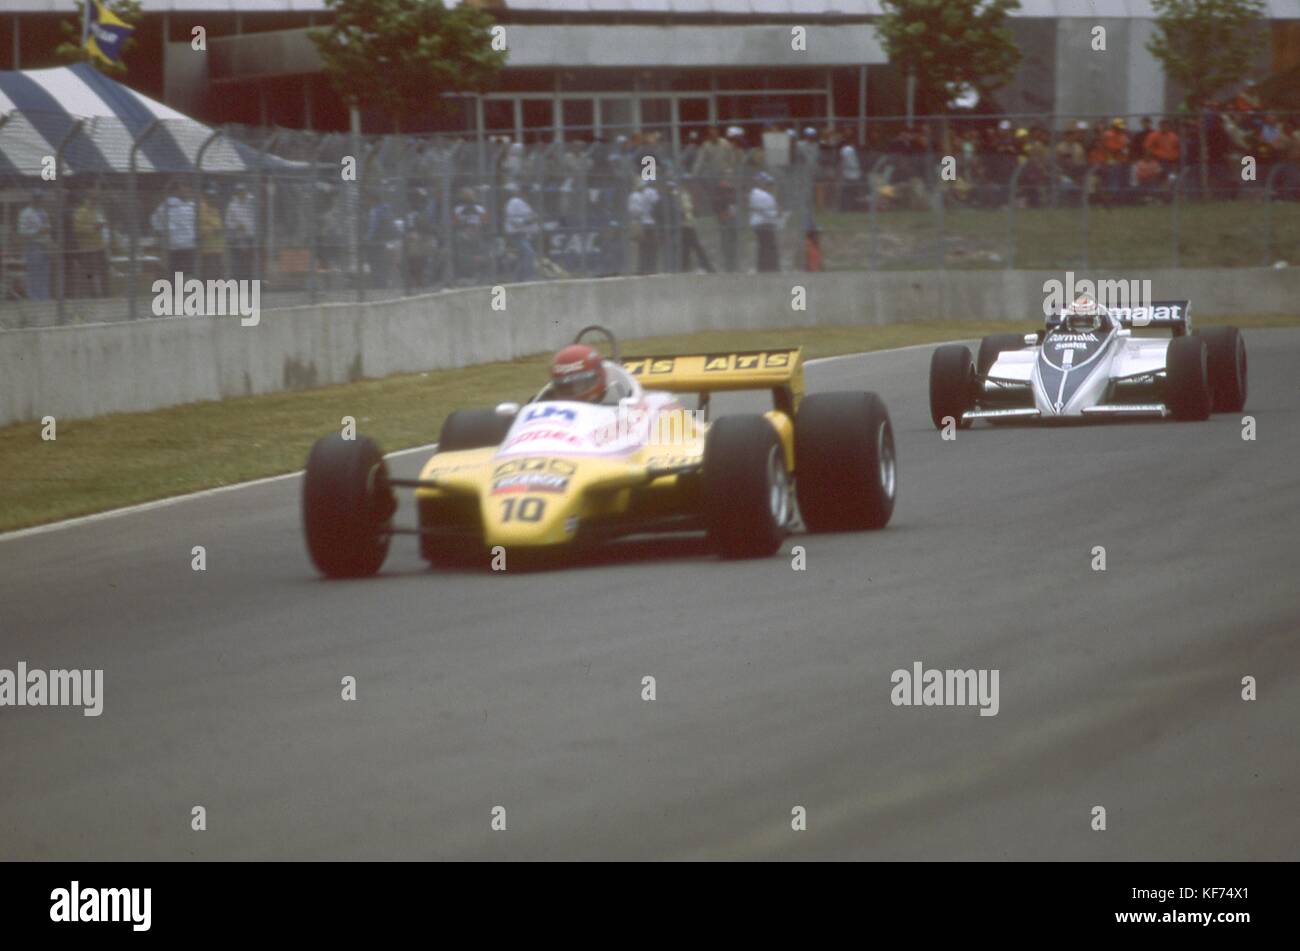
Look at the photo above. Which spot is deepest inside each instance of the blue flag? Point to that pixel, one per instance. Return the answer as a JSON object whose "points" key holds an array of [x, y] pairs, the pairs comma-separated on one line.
{"points": [[106, 33]]}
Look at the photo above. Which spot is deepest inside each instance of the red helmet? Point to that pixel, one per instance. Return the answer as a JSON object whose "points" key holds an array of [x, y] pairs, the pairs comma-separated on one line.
{"points": [[577, 373]]}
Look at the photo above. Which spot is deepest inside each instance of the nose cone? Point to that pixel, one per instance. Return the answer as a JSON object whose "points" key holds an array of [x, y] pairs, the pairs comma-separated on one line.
{"points": [[530, 503], [536, 520]]}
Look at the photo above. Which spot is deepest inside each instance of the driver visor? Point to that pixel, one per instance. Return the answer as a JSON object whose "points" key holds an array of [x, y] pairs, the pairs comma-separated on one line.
{"points": [[574, 383]]}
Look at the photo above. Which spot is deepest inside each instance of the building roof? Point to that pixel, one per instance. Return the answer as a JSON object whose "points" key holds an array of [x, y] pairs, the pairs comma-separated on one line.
{"points": [[42, 107]]}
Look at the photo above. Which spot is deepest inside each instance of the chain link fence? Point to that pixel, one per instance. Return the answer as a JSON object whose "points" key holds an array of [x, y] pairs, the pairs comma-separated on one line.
{"points": [[330, 217]]}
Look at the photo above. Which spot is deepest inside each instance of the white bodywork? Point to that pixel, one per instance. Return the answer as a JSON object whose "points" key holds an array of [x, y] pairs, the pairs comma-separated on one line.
{"points": [[1078, 388], [568, 428]]}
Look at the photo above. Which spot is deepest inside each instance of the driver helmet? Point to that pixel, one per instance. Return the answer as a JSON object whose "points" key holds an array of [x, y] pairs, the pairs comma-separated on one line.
{"points": [[1085, 314], [578, 373]]}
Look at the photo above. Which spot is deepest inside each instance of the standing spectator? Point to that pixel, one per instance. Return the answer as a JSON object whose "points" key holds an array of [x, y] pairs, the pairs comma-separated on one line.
{"points": [[469, 249], [806, 150], [732, 156], [1115, 149], [724, 207], [708, 159], [764, 215], [34, 229], [241, 232], [690, 240], [690, 151], [420, 237], [212, 236], [512, 165], [383, 239], [1071, 156], [850, 177], [1163, 146], [176, 219], [521, 227], [803, 173], [642, 206], [1142, 141], [90, 263]]}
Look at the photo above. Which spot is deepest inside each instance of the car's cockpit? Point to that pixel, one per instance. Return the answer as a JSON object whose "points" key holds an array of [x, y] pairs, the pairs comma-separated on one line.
{"points": [[619, 386]]}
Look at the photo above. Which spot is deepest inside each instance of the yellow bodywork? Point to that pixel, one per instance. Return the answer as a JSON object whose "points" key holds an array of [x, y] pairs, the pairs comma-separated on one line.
{"points": [[533, 501]]}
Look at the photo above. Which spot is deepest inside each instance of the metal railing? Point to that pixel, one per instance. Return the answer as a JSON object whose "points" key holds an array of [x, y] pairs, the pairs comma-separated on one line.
{"points": [[331, 217]]}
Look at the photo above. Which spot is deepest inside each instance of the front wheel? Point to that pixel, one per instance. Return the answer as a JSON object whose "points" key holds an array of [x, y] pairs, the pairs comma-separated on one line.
{"points": [[746, 487], [845, 465], [1227, 357], [346, 506], [1187, 378], [952, 384]]}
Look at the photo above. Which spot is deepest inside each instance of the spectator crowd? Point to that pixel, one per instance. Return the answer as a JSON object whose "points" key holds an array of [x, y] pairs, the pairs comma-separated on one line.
{"points": [[732, 198]]}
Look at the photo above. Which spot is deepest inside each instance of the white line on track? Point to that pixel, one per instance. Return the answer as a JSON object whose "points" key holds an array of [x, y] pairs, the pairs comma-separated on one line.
{"points": [[204, 493]]}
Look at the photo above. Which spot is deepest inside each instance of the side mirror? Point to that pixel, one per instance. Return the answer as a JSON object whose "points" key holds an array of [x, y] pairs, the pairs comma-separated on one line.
{"points": [[507, 409]]}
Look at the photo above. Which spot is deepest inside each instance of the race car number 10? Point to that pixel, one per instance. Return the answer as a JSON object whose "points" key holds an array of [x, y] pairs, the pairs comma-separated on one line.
{"points": [[526, 510]]}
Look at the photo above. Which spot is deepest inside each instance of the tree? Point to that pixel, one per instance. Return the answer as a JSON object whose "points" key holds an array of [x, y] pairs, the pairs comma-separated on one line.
{"points": [[402, 55], [1206, 46], [71, 50], [942, 45]]}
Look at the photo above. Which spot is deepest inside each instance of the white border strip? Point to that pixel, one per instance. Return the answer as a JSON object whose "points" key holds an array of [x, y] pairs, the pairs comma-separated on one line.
{"points": [[205, 493]]}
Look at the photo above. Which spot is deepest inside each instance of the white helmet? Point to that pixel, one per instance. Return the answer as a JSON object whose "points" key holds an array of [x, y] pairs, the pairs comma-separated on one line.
{"points": [[1085, 314]]}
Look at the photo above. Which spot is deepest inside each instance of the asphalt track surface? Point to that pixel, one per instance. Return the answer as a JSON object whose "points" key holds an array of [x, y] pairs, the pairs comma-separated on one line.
{"points": [[476, 689]]}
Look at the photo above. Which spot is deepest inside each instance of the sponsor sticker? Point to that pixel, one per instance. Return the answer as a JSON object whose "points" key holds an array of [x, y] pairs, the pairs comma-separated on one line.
{"points": [[647, 365], [747, 361], [535, 464], [521, 482], [554, 414]]}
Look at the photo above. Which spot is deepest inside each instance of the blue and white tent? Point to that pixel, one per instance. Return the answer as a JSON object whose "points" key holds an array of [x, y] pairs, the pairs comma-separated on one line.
{"points": [[40, 109]]}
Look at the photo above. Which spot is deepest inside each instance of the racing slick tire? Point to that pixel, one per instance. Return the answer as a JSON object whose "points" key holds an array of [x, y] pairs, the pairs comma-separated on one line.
{"points": [[993, 345], [473, 429], [1187, 378], [746, 488], [346, 505], [952, 384], [845, 465], [1227, 367]]}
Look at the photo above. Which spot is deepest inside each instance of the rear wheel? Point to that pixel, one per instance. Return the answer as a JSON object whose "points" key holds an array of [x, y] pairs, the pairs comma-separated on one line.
{"points": [[993, 345], [952, 384], [346, 505], [473, 429], [1227, 355], [1187, 378], [845, 465], [746, 487]]}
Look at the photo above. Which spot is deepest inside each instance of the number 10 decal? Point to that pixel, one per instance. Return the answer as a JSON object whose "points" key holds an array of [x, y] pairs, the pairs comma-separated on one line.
{"points": [[526, 510]]}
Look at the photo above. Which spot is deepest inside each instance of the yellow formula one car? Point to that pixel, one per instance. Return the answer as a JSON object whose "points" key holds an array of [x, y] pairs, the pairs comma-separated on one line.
{"points": [[559, 470]]}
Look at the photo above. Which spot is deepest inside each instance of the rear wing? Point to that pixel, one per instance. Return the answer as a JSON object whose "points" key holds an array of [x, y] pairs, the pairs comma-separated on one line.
{"points": [[778, 370], [1174, 315]]}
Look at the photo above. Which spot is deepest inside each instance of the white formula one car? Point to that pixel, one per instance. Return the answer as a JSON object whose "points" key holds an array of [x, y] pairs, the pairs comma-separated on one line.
{"points": [[1088, 363]]}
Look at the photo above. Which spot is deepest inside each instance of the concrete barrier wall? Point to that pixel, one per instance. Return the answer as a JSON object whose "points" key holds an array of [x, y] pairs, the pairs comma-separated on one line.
{"points": [[73, 372]]}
